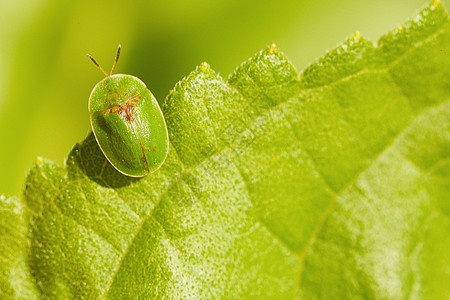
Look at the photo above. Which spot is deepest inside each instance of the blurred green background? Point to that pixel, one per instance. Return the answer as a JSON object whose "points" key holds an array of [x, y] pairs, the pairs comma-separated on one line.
{"points": [[46, 78]]}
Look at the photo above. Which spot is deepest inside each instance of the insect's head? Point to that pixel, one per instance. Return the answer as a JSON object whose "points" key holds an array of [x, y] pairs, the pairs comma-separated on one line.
{"points": [[113, 67]]}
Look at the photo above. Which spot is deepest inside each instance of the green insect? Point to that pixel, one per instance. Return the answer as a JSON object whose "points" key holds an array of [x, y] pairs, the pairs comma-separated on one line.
{"points": [[128, 123]]}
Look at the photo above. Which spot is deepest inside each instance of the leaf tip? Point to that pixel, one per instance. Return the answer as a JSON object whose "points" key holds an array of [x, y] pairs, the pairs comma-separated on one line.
{"points": [[435, 3], [273, 48], [357, 35], [204, 66], [39, 160]]}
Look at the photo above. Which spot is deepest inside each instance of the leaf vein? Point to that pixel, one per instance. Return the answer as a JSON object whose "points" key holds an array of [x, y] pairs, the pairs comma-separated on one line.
{"points": [[332, 204]]}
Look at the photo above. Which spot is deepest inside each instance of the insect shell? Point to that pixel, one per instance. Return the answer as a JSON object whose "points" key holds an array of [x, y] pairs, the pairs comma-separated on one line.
{"points": [[128, 123]]}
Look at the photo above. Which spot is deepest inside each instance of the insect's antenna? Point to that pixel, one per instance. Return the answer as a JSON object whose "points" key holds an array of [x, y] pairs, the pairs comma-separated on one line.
{"points": [[93, 60], [115, 62]]}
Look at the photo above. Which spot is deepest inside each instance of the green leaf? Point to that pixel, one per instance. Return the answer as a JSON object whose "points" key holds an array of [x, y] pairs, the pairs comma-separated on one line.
{"points": [[331, 184], [15, 277]]}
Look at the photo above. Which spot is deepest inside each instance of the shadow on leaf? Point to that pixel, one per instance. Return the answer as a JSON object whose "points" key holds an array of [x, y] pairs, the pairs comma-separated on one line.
{"points": [[89, 159]]}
